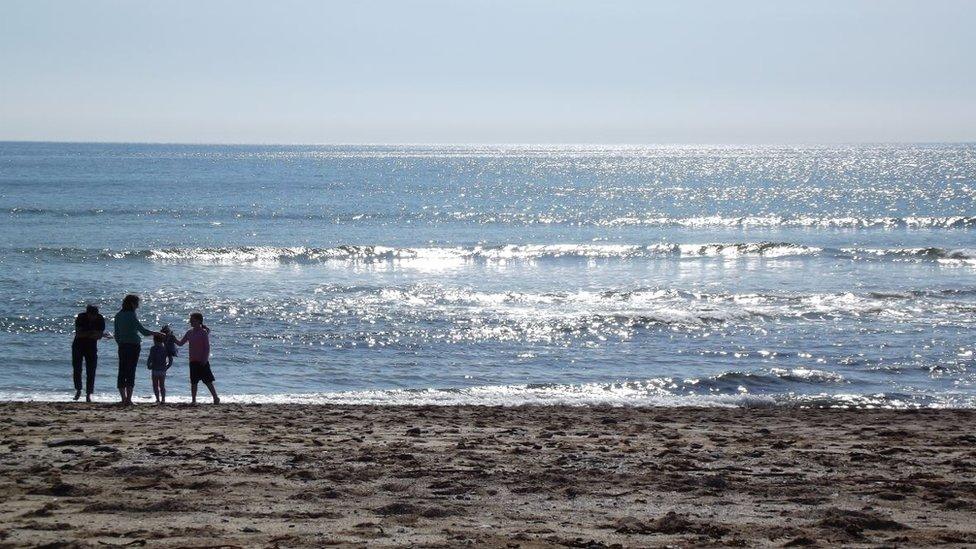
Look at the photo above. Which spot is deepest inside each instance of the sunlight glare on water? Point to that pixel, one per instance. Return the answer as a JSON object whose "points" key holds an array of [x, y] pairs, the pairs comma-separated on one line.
{"points": [[838, 275]]}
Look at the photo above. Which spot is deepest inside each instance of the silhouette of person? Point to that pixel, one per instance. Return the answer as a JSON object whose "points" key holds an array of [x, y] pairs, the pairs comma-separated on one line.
{"points": [[128, 332], [89, 328]]}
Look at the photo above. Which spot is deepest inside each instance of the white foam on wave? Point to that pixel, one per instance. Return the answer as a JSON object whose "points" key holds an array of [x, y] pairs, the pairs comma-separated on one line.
{"points": [[271, 254], [512, 252], [595, 395], [432, 256], [809, 375], [765, 249], [761, 387], [942, 255]]}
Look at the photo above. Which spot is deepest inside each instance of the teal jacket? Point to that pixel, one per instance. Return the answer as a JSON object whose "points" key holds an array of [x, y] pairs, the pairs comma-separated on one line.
{"points": [[128, 328]]}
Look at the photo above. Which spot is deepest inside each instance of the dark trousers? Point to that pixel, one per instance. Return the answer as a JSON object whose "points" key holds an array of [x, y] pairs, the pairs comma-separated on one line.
{"points": [[87, 352], [128, 360]]}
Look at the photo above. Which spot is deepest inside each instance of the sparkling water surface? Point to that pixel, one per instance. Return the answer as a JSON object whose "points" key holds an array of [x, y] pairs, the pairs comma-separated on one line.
{"points": [[505, 274]]}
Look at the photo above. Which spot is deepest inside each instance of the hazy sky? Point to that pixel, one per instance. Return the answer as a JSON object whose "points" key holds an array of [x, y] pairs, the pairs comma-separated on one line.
{"points": [[462, 71]]}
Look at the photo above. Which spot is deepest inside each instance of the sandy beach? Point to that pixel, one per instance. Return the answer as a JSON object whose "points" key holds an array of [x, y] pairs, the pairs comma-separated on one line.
{"points": [[293, 475]]}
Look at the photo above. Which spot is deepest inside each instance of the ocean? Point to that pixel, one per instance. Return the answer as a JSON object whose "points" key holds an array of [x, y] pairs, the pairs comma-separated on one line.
{"points": [[659, 275]]}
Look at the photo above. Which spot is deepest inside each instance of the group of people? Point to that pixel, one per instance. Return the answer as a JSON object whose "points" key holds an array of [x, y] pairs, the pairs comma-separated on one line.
{"points": [[90, 328]]}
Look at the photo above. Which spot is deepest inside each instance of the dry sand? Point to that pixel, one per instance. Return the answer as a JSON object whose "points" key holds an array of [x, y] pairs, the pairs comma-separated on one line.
{"points": [[283, 475]]}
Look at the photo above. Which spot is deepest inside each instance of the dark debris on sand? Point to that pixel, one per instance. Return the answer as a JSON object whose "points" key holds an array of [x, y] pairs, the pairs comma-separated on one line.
{"points": [[314, 476]]}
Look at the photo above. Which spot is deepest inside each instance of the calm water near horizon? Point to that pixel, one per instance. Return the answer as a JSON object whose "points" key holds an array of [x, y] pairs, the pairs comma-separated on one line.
{"points": [[821, 275]]}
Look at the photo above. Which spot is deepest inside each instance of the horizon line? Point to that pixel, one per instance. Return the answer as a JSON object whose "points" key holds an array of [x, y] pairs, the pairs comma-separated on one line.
{"points": [[483, 144]]}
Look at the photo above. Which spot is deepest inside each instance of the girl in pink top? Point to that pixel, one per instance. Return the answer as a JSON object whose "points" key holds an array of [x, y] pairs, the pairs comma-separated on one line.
{"points": [[198, 336]]}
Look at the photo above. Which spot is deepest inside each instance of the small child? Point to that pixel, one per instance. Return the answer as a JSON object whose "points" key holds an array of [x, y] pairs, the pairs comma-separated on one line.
{"points": [[199, 339], [158, 363], [170, 341]]}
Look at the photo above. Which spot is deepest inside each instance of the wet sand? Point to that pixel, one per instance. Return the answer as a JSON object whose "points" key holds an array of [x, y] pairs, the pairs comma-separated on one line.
{"points": [[291, 475]]}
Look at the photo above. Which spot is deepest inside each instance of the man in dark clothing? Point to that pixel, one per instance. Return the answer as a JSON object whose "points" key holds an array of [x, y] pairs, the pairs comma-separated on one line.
{"points": [[89, 328]]}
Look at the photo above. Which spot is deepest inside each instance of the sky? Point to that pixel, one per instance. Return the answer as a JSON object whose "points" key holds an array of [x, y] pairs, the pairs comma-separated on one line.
{"points": [[479, 71]]}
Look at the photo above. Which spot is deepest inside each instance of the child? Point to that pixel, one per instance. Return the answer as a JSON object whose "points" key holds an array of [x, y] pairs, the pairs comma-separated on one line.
{"points": [[199, 339], [158, 363], [170, 342]]}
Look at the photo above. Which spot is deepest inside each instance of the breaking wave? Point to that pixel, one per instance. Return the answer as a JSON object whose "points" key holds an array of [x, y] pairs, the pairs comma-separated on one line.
{"points": [[498, 253], [765, 388], [473, 253]]}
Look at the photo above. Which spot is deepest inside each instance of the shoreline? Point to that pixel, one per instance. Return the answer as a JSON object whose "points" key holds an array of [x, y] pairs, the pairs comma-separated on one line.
{"points": [[451, 398], [490, 476]]}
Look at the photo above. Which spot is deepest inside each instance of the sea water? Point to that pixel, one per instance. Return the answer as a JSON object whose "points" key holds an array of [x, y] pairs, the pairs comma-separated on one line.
{"points": [[820, 275]]}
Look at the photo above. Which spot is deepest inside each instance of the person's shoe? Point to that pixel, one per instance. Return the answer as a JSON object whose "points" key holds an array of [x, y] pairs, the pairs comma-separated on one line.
{"points": [[88, 397], [216, 400], [77, 395]]}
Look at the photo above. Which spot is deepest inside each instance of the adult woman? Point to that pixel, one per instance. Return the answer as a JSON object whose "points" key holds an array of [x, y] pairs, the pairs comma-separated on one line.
{"points": [[128, 332]]}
